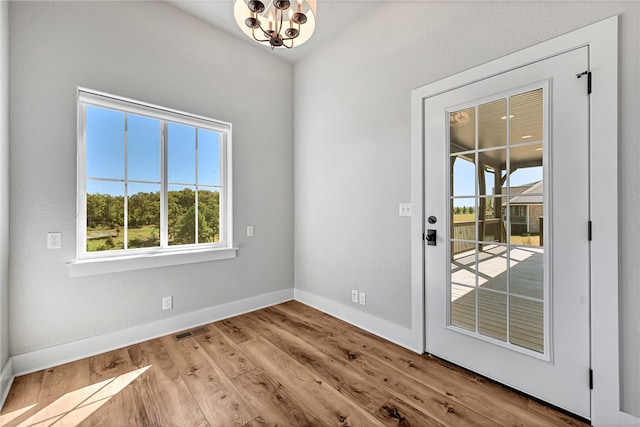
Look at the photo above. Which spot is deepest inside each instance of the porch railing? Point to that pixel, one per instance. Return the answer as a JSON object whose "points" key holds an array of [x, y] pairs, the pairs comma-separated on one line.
{"points": [[467, 231]]}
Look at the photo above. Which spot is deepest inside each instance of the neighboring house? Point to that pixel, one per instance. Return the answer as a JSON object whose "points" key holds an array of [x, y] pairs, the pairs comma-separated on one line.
{"points": [[526, 208]]}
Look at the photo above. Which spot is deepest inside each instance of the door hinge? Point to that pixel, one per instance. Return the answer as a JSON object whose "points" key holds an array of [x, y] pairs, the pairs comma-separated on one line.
{"points": [[589, 231], [590, 379], [588, 74]]}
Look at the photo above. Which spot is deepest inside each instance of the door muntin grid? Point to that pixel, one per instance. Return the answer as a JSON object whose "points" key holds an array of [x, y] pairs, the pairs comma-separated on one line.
{"points": [[497, 195]]}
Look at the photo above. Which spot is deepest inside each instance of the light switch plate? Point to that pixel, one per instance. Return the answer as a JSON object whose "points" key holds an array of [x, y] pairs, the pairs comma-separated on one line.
{"points": [[405, 209]]}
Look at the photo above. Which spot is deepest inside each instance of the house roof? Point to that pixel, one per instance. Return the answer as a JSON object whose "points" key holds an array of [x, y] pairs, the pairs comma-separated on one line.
{"points": [[531, 195]]}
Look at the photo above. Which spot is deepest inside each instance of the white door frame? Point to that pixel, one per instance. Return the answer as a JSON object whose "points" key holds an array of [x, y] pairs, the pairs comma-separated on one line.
{"points": [[602, 40]]}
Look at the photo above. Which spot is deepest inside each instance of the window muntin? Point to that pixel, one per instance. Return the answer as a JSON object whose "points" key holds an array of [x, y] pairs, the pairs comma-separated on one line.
{"points": [[151, 180]]}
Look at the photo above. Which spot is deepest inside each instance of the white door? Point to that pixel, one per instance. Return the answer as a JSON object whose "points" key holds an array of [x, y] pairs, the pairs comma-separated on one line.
{"points": [[507, 196]]}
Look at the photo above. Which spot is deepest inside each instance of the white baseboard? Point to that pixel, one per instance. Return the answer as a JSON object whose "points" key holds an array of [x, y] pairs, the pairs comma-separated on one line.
{"points": [[405, 337], [45, 358], [53, 356], [6, 379]]}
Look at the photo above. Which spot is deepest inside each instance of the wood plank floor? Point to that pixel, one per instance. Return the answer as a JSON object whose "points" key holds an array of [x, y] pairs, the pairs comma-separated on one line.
{"points": [[287, 365]]}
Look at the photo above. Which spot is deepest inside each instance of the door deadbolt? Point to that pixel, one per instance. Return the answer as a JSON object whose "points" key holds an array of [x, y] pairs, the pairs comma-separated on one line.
{"points": [[431, 237]]}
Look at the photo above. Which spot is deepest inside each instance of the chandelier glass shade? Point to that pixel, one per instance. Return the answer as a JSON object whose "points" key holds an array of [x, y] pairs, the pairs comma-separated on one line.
{"points": [[278, 23]]}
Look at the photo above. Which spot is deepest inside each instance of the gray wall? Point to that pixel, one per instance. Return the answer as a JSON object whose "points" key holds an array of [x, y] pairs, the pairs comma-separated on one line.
{"points": [[351, 156], [152, 52], [352, 143], [4, 184]]}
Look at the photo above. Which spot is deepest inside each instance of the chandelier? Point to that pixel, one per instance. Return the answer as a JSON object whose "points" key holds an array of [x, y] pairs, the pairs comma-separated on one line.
{"points": [[280, 23]]}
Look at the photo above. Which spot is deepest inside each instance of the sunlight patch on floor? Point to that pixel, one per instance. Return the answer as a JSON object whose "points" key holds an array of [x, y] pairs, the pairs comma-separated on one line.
{"points": [[72, 408]]}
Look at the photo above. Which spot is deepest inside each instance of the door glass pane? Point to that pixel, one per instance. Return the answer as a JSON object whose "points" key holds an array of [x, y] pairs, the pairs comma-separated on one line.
{"points": [[526, 123], [464, 214], [525, 167], [526, 272], [526, 222], [493, 161], [497, 208], [489, 179], [463, 307], [463, 268], [463, 177], [490, 227], [492, 267], [462, 126], [492, 124], [463, 225], [526, 323], [492, 314]]}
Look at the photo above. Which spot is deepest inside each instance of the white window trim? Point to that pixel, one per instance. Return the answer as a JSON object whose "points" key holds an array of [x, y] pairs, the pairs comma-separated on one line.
{"points": [[90, 267], [100, 263]]}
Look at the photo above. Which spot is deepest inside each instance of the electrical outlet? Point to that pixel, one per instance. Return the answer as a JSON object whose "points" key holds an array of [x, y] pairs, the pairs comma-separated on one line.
{"points": [[249, 230], [167, 303], [354, 296], [363, 298], [54, 240]]}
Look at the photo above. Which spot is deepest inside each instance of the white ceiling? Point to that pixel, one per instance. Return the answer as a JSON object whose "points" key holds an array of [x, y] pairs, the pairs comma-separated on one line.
{"points": [[332, 17]]}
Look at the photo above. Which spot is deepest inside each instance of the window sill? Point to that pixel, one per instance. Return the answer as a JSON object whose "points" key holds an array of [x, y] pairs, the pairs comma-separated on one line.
{"points": [[90, 267]]}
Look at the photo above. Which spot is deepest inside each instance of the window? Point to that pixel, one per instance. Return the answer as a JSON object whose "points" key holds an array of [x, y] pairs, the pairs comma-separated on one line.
{"points": [[151, 180], [518, 211]]}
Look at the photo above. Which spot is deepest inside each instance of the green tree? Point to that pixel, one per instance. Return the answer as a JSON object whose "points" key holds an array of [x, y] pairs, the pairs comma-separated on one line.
{"points": [[186, 227], [179, 204], [105, 210], [95, 210], [208, 215], [144, 209], [209, 206]]}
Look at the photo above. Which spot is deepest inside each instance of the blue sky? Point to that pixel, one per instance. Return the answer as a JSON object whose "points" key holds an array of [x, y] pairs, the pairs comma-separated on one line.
{"points": [[465, 175], [105, 132]]}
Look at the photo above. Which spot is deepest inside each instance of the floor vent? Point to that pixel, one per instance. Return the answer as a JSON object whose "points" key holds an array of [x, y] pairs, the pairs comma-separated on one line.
{"points": [[192, 332]]}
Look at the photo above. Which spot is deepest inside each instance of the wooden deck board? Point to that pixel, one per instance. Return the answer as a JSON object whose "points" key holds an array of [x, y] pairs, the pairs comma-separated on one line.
{"points": [[525, 328]]}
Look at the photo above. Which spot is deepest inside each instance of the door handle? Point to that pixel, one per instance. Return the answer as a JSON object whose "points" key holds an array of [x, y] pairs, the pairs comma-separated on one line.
{"points": [[431, 237]]}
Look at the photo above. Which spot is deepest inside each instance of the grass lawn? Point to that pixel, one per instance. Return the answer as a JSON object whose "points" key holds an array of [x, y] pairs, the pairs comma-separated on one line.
{"points": [[525, 240], [464, 217], [97, 237]]}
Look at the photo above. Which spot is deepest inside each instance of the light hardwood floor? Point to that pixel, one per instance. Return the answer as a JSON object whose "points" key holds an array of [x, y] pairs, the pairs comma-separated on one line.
{"points": [[288, 365]]}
